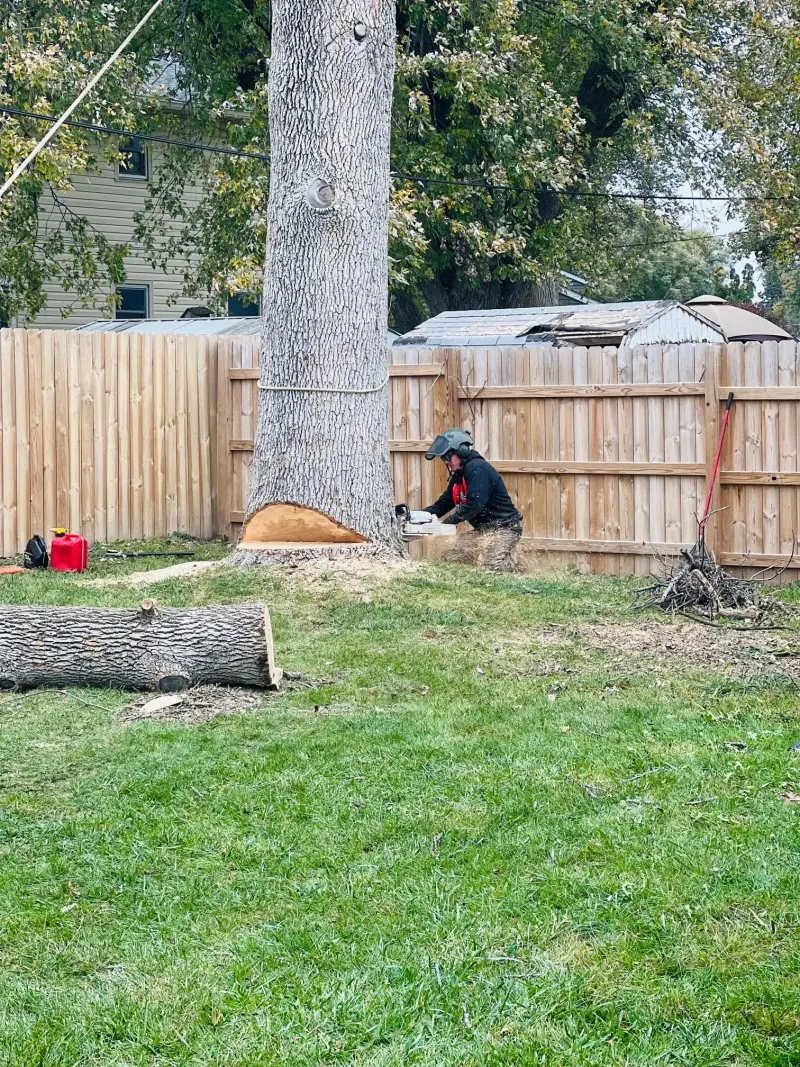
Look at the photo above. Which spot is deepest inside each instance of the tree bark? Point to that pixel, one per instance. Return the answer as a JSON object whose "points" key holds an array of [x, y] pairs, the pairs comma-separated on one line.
{"points": [[149, 648], [325, 286]]}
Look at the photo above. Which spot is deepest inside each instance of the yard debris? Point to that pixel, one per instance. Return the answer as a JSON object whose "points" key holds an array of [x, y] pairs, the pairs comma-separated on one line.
{"points": [[194, 706], [700, 589], [148, 710], [11, 570], [790, 798]]}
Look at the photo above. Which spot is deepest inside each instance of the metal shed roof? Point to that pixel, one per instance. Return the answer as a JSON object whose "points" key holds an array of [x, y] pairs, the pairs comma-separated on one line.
{"points": [[631, 322], [247, 326]]}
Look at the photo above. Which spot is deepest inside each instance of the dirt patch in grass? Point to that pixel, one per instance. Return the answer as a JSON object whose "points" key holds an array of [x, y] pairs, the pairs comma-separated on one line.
{"points": [[684, 646]]}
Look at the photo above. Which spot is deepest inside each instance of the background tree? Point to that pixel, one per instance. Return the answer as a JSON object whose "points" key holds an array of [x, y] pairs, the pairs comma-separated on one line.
{"points": [[557, 98]]}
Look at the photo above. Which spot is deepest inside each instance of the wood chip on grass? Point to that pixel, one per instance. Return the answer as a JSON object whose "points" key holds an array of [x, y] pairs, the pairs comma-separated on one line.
{"points": [[194, 706]]}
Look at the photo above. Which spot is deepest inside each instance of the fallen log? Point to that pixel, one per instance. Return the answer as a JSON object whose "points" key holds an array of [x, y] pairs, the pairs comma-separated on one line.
{"points": [[168, 649]]}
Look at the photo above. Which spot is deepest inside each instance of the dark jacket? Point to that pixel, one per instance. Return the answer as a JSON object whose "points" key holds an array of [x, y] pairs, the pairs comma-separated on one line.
{"points": [[477, 495]]}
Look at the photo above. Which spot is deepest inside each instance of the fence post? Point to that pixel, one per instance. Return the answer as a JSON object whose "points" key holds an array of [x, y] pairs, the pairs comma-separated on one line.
{"points": [[711, 434], [223, 466]]}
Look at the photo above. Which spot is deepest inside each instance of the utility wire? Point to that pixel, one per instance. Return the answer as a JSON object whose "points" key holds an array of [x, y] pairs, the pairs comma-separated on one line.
{"points": [[95, 78], [131, 135], [465, 183]]}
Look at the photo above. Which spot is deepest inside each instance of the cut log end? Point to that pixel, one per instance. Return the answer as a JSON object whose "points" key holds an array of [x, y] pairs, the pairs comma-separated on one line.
{"points": [[292, 523]]}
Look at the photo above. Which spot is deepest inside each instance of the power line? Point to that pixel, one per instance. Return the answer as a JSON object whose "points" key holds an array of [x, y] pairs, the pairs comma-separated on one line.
{"points": [[95, 78], [465, 183], [131, 135]]}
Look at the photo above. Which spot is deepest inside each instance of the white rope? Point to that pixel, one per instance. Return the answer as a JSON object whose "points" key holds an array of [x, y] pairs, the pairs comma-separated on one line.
{"points": [[77, 101], [316, 389]]}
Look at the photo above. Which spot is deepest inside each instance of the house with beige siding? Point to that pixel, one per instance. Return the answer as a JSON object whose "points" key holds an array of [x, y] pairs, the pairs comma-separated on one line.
{"points": [[109, 199]]}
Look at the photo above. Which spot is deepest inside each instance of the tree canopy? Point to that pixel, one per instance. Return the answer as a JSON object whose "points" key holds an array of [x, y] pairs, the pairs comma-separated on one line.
{"points": [[539, 108]]}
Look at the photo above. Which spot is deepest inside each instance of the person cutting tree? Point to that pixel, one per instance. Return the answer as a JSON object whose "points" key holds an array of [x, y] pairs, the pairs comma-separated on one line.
{"points": [[476, 493]]}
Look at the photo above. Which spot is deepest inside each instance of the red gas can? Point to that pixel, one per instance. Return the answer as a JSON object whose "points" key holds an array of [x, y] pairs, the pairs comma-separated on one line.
{"points": [[69, 552]]}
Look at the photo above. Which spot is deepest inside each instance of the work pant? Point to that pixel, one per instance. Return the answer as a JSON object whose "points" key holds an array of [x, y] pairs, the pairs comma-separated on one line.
{"points": [[495, 548]]}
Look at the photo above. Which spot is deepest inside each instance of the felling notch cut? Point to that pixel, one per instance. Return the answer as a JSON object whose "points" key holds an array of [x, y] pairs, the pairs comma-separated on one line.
{"points": [[148, 648]]}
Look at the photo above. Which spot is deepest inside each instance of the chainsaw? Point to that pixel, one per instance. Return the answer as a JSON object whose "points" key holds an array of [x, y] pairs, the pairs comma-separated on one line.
{"points": [[414, 524]]}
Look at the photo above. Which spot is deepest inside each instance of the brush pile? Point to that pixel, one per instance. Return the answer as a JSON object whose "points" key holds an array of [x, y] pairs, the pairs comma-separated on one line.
{"points": [[700, 589]]}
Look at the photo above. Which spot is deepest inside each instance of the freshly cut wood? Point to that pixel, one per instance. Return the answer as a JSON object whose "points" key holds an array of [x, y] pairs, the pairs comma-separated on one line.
{"points": [[168, 649], [290, 522]]}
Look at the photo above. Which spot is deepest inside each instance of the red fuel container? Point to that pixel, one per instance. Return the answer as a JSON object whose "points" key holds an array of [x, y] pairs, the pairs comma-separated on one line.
{"points": [[69, 552]]}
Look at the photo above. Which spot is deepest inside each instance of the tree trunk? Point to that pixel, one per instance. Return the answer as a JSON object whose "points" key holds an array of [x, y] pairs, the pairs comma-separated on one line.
{"points": [[325, 286], [147, 648]]}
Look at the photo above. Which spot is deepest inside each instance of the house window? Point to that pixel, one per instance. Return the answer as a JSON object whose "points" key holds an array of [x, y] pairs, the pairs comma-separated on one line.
{"points": [[133, 162], [243, 306], [133, 301]]}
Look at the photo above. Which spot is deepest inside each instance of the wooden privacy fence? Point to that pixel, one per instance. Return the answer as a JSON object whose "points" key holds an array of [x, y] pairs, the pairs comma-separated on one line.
{"points": [[606, 451]]}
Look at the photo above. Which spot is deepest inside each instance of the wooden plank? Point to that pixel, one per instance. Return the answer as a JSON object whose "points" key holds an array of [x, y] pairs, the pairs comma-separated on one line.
{"points": [[452, 385], [148, 438], [756, 559], [244, 374], [23, 443], [549, 467], [641, 453], [159, 436], [137, 473], [398, 424], [123, 422], [761, 393], [753, 496], [712, 424], [522, 375], [580, 374], [787, 423], [598, 391], [655, 433], [171, 436], [552, 444], [48, 431], [99, 436], [566, 427], [61, 443], [733, 522], [672, 447], [611, 454], [111, 419], [8, 434], [421, 370], [36, 433], [73, 521], [86, 374], [413, 469], [182, 435], [627, 532], [204, 419], [193, 402], [600, 547], [768, 478], [597, 509], [687, 430], [771, 449]]}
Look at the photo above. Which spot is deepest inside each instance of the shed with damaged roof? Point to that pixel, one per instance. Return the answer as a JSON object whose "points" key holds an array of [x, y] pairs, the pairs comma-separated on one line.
{"points": [[640, 322]]}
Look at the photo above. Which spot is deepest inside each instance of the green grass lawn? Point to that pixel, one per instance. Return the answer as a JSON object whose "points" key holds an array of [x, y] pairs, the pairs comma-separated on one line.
{"points": [[464, 846]]}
